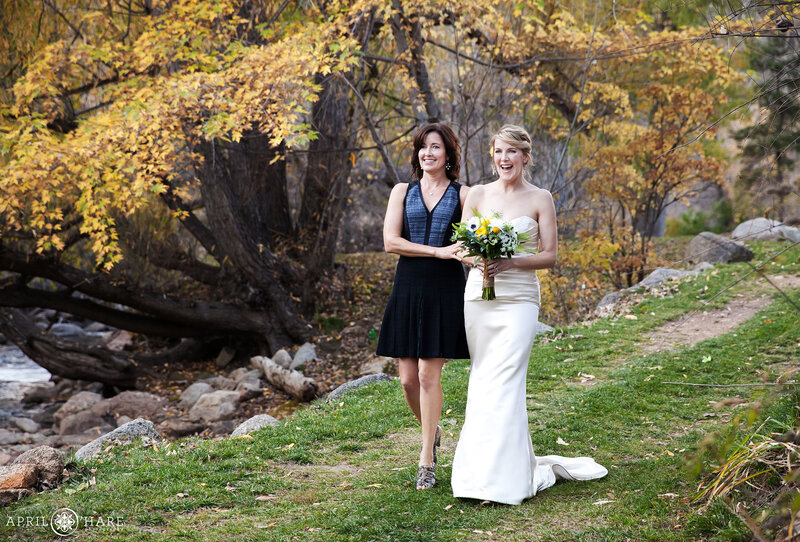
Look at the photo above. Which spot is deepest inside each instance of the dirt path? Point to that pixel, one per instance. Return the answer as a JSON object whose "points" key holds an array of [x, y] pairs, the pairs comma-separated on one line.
{"points": [[694, 327]]}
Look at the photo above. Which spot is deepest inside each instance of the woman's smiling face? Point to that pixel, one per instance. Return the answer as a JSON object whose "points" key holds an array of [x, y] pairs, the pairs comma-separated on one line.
{"points": [[432, 154], [509, 161]]}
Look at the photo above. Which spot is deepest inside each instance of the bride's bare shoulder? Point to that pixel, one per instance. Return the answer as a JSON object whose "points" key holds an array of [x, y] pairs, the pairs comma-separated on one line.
{"points": [[540, 194]]}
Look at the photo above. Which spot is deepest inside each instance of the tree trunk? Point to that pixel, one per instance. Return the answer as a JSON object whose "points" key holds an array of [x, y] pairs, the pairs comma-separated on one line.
{"points": [[325, 188]]}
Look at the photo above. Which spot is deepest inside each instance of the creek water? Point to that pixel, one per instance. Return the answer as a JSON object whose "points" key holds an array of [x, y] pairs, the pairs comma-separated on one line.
{"points": [[17, 367]]}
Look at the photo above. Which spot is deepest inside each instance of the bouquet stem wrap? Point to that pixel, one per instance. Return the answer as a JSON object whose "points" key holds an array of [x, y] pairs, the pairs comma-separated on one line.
{"points": [[488, 284]]}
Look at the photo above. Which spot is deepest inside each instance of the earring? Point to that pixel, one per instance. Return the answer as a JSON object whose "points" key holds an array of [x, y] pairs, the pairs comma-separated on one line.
{"points": [[447, 166]]}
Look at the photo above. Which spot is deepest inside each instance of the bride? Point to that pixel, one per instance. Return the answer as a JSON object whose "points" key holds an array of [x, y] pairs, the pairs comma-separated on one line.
{"points": [[494, 459]]}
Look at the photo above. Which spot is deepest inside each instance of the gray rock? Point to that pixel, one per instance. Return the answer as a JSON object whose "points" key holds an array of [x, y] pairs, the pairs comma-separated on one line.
{"points": [[215, 406], [122, 420], [355, 384], [222, 427], [541, 327], [304, 354], [119, 340], [134, 404], [5, 459], [764, 229], [68, 441], [225, 357], [9, 437], [242, 373], [131, 431], [79, 402], [176, 427], [610, 300], [255, 423], [80, 422], [45, 416], [26, 424], [38, 392], [220, 382], [190, 395], [708, 247], [282, 358], [699, 268], [97, 327], [376, 365], [248, 388], [49, 462], [659, 275]]}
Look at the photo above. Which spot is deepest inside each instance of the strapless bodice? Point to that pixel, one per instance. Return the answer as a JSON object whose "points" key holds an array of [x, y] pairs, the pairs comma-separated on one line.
{"points": [[526, 224]]}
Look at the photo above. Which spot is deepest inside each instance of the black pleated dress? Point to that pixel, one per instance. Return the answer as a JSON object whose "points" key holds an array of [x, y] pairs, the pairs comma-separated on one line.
{"points": [[425, 314]]}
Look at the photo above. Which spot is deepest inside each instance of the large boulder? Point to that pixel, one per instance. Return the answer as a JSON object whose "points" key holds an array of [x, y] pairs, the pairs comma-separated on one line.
{"points": [[304, 354], [657, 277], [9, 437], [133, 404], [125, 434], [253, 424], [215, 406], [709, 247], [79, 402], [38, 392], [21, 476], [178, 427], [357, 383], [48, 461], [220, 382], [26, 424], [282, 358], [249, 388], [764, 229], [80, 422], [190, 395]]}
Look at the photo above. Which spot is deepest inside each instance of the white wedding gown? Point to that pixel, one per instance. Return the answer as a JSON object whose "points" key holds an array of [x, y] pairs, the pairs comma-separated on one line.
{"points": [[494, 458]]}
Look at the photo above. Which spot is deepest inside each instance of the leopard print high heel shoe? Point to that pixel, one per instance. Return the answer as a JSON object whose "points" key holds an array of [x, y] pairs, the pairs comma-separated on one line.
{"points": [[426, 477]]}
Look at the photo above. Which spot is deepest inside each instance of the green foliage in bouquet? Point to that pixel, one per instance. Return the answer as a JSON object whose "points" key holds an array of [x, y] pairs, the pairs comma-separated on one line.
{"points": [[489, 238]]}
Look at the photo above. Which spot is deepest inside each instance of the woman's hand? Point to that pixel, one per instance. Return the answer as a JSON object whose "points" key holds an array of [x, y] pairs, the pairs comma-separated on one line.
{"points": [[449, 252], [495, 267]]}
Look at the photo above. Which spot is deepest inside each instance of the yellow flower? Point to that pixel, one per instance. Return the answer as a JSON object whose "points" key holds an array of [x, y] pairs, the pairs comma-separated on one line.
{"points": [[481, 231], [495, 230]]}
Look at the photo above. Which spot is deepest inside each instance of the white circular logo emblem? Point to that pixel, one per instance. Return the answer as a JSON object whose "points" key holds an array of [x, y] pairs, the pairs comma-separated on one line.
{"points": [[64, 521]]}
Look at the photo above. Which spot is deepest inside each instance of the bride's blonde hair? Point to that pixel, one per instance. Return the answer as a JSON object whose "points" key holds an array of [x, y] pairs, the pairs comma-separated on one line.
{"points": [[518, 137]]}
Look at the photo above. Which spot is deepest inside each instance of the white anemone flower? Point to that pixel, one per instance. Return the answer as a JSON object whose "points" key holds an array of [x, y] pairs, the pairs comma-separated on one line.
{"points": [[473, 223]]}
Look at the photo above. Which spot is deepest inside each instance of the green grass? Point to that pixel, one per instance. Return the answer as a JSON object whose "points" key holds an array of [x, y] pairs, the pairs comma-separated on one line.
{"points": [[344, 471]]}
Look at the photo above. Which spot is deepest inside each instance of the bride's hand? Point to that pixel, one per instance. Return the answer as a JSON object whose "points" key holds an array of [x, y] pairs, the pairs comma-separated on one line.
{"points": [[496, 267]]}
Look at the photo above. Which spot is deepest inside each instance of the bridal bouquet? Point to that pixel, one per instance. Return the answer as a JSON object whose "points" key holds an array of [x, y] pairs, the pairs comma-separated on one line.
{"points": [[489, 238]]}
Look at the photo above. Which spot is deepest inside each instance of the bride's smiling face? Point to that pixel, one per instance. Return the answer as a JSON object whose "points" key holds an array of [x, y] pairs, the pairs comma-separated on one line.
{"points": [[432, 154], [509, 161]]}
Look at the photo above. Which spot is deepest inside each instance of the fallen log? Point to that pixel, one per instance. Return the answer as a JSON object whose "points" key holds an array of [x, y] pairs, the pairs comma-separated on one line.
{"points": [[66, 358], [292, 382]]}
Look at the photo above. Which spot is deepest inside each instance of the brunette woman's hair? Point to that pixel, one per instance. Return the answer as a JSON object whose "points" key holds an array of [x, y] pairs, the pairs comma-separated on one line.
{"points": [[451, 147]]}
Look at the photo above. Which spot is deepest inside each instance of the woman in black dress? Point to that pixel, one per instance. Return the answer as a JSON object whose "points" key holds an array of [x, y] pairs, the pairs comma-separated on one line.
{"points": [[424, 321]]}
